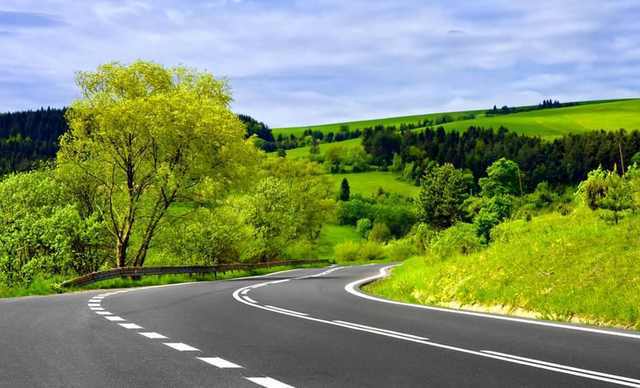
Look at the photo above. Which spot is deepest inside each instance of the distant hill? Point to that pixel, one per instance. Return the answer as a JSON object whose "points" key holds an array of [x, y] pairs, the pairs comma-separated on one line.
{"points": [[548, 122]]}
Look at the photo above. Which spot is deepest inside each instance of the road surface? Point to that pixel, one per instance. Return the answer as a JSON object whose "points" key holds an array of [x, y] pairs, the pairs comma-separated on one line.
{"points": [[300, 328]]}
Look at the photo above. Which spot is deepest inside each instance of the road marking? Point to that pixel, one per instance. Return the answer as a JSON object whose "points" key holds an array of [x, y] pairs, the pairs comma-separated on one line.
{"points": [[219, 362], [280, 281], [284, 310], [115, 318], [352, 288], [593, 375], [130, 326], [245, 292], [95, 300], [93, 304], [567, 369], [370, 328], [179, 346], [153, 335], [103, 313], [96, 308], [268, 382], [249, 300]]}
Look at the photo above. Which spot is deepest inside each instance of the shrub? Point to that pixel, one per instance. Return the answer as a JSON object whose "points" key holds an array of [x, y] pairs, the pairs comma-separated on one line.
{"points": [[300, 250], [423, 236], [458, 239], [379, 232], [347, 251], [399, 250], [363, 226], [370, 250]]}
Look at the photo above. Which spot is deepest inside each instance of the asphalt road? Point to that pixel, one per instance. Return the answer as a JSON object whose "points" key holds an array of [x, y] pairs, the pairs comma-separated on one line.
{"points": [[302, 328]]}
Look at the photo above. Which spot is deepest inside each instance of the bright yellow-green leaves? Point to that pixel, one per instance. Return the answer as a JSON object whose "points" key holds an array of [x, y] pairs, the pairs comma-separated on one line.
{"points": [[144, 136]]}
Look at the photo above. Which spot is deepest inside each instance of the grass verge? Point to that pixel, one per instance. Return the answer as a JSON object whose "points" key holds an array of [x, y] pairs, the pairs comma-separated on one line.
{"points": [[571, 268], [47, 286]]}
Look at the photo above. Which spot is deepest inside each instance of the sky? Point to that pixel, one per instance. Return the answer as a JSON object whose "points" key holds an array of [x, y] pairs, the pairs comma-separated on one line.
{"points": [[308, 62]]}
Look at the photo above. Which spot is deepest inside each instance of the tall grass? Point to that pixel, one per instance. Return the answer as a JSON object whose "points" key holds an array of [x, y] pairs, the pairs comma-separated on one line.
{"points": [[573, 267]]}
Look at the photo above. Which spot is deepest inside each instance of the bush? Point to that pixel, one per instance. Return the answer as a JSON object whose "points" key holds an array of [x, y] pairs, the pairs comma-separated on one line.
{"points": [[353, 251], [399, 250], [300, 250], [379, 232], [347, 251], [458, 239], [423, 236], [370, 250], [363, 226]]}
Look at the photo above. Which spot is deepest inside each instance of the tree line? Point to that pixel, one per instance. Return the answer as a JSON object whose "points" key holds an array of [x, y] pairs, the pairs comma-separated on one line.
{"points": [[563, 161]]}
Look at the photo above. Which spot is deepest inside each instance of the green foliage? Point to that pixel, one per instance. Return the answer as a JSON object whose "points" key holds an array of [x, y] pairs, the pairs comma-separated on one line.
{"points": [[423, 236], [143, 136], [635, 159], [609, 192], [345, 192], [397, 213], [492, 211], [503, 178], [380, 232], [554, 266], [363, 226], [350, 251], [461, 239], [399, 250], [42, 232], [444, 190]]}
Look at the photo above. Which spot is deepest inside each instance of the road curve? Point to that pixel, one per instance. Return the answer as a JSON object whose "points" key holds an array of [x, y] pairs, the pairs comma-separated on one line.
{"points": [[300, 328]]}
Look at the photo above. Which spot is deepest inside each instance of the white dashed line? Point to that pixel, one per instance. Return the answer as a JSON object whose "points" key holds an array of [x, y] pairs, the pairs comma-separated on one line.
{"points": [[95, 300], [96, 308], [179, 346], [219, 362], [115, 318], [93, 304], [268, 382], [153, 335], [103, 313], [130, 326]]}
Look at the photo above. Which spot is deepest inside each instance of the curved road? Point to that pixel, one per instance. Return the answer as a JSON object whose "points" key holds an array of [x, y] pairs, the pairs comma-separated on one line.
{"points": [[300, 328]]}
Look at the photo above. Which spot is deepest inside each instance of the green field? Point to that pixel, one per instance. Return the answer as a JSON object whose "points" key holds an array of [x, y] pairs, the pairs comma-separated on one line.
{"points": [[303, 152], [575, 268], [368, 183], [387, 121], [548, 123]]}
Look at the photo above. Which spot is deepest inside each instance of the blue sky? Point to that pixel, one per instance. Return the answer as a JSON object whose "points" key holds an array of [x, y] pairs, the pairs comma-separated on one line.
{"points": [[304, 62]]}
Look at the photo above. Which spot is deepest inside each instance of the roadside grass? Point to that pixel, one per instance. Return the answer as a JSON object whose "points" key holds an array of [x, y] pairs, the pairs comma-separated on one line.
{"points": [[48, 286], [568, 268], [368, 183]]}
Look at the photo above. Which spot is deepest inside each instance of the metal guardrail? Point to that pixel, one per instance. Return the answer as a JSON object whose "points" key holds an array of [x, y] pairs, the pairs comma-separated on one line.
{"points": [[137, 272]]}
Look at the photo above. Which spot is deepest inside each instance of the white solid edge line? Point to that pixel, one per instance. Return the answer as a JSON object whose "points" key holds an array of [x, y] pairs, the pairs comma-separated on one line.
{"points": [[352, 288], [382, 330], [268, 382], [249, 300], [219, 362], [285, 310], [181, 347], [564, 366], [131, 326], [591, 375], [153, 335]]}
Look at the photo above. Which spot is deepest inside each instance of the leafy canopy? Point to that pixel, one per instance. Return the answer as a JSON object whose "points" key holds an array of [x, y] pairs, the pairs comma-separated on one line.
{"points": [[142, 137]]}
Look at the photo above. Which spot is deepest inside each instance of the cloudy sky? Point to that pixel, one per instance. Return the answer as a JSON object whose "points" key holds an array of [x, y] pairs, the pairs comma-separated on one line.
{"points": [[303, 62]]}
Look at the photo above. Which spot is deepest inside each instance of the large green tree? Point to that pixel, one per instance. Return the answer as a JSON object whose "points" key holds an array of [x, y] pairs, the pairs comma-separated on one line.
{"points": [[444, 190], [143, 136]]}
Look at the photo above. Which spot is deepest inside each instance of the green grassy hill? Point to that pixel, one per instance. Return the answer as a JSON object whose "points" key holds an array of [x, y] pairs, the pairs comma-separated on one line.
{"points": [[548, 123], [555, 267], [368, 183]]}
